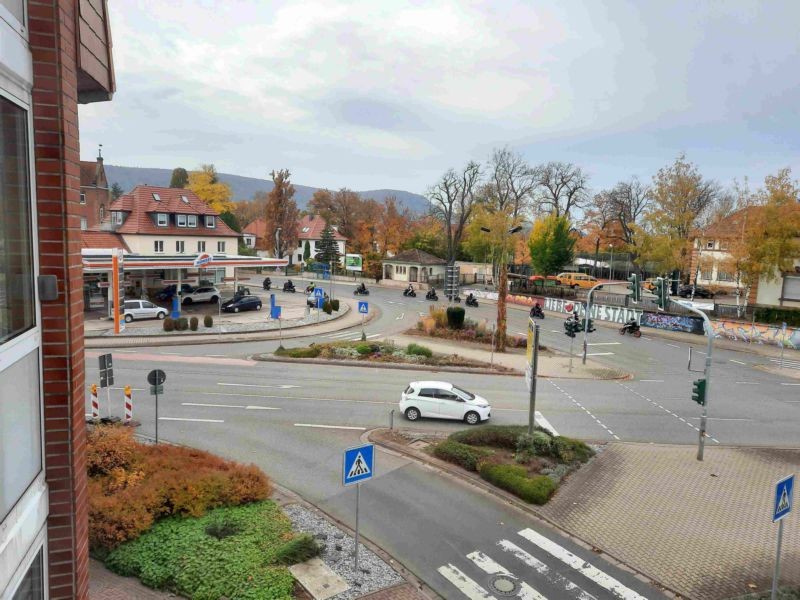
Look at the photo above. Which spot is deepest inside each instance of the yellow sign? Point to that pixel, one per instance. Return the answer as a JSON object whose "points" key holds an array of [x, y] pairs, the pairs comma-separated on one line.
{"points": [[529, 349]]}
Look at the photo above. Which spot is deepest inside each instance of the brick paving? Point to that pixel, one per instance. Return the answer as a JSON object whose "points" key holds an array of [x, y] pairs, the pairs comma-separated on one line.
{"points": [[704, 529], [399, 592], [105, 585]]}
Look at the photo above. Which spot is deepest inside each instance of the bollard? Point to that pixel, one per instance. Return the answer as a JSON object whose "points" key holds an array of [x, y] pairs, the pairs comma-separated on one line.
{"points": [[128, 405], [95, 404], [391, 420]]}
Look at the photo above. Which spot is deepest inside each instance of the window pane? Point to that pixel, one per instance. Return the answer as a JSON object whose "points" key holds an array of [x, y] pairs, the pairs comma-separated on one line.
{"points": [[32, 585], [16, 255], [20, 430]]}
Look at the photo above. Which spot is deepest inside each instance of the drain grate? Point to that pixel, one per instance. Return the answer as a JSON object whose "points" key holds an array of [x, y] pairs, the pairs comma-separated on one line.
{"points": [[504, 585]]}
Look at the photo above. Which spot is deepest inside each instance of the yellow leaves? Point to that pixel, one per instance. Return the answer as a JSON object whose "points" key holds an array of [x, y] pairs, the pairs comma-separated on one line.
{"points": [[208, 188]]}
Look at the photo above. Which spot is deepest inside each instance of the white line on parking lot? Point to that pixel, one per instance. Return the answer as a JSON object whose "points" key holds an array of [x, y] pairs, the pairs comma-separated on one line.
{"points": [[193, 420], [738, 362], [329, 426]]}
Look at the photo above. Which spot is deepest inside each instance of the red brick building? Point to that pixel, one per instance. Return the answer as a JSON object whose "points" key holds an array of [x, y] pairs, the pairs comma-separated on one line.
{"points": [[55, 55], [95, 194]]}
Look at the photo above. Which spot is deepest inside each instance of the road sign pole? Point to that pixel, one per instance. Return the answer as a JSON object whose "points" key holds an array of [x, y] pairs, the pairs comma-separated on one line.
{"points": [[362, 325], [156, 414], [586, 318], [358, 497], [534, 371], [108, 399], [775, 577]]}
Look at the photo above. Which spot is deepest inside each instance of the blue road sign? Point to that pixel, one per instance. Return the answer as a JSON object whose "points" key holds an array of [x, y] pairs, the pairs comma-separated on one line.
{"points": [[783, 498], [275, 312], [358, 464], [319, 292], [320, 302], [363, 307]]}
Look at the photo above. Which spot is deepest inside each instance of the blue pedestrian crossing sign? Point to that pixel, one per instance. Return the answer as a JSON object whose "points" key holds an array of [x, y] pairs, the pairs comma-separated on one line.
{"points": [[783, 498], [363, 307], [358, 464], [319, 292]]}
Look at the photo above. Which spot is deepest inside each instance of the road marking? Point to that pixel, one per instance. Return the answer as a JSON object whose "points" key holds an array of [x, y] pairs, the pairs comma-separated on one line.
{"points": [[125, 351], [255, 385], [586, 410], [212, 405], [217, 355], [193, 420], [402, 316], [329, 426], [790, 384], [539, 418], [554, 331], [486, 564], [119, 388], [586, 569], [791, 401], [261, 408], [651, 380], [599, 353], [605, 344], [290, 397], [550, 575], [746, 383], [738, 362], [644, 337], [464, 584], [339, 334], [673, 345], [721, 419], [374, 335], [170, 353]]}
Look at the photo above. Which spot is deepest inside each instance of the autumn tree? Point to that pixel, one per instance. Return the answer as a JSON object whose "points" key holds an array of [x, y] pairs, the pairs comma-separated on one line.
{"points": [[281, 213], [179, 179], [560, 188], [629, 203], [206, 184], [343, 209], [551, 244], [427, 234], [452, 199], [116, 191], [395, 226]]}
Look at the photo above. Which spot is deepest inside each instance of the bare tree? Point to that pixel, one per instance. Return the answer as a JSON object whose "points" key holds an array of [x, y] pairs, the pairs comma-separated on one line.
{"points": [[629, 202], [512, 182], [452, 199], [560, 187]]}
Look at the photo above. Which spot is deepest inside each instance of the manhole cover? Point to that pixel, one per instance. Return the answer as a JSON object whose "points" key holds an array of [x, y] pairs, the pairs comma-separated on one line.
{"points": [[503, 585]]}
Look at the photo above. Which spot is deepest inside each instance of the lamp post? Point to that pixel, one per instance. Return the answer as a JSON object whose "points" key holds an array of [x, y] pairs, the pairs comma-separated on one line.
{"points": [[485, 255], [611, 264]]}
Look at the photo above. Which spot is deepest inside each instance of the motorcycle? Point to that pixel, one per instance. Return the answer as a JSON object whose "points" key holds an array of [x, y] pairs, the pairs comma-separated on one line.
{"points": [[310, 288], [631, 327], [537, 312], [456, 299], [267, 284], [472, 301], [361, 291], [409, 293], [431, 296], [289, 287]]}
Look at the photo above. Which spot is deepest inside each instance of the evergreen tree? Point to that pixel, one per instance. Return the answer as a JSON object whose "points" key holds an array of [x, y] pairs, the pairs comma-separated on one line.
{"points": [[116, 191], [306, 252], [180, 178], [231, 221], [328, 249]]}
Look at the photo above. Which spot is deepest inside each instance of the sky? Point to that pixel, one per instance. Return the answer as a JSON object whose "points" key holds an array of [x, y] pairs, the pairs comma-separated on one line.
{"points": [[384, 94]]}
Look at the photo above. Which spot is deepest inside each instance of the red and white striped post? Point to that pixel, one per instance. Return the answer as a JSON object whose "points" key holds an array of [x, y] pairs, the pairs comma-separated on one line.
{"points": [[95, 404], [128, 405]]}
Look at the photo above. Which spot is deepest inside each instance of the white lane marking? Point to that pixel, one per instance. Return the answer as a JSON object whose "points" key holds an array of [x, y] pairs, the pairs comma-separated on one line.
{"points": [[464, 584], [170, 353], [374, 335], [673, 345], [217, 355], [553, 331], [746, 383], [329, 426], [738, 362], [193, 420], [605, 344], [255, 385], [340, 334], [599, 353], [568, 395], [119, 388], [126, 351], [402, 316], [486, 564], [212, 405], [251, 407], [644, 337], [586, 569], [790, 384], [720, 419], [539, 418], [791, 401], [290, 397], [651, 380], [550, 575]]}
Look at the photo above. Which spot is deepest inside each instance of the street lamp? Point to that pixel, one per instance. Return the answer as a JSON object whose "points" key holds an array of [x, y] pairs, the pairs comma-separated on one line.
{"points": [[611, 264], [485, 253]]}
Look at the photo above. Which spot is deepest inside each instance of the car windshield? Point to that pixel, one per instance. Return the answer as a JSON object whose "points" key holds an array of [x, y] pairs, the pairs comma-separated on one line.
{"points": [[463, 393]]}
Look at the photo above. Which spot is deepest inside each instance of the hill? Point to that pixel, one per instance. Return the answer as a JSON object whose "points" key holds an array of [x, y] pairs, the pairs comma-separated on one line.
{"points": [[244, 188]]}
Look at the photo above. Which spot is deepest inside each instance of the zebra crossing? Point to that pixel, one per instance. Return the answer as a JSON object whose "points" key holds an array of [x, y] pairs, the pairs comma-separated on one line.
{"points": [[786, 363], [484, 577], [349, 336]]}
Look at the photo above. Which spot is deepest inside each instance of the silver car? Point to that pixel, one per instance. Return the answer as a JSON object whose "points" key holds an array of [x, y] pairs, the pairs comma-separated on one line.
{"points": [[143, 309]]}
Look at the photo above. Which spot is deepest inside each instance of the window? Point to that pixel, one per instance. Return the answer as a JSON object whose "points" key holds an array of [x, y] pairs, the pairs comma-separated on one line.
{"points": [[705, 275], [724, 244], [724, 276], [191, 220], [32, 585], [220, 246], [248, 241], [84, 224], [427, 393], [299, 258], [179, 246], [180, 220], [184, 199], [791, 288], [210, 221], [156, 197], [116, 217], [161, 219], [201, 246], [710, 245], [83, 198], [131, 304], [306, 229], [158, 246], [102, 212]]}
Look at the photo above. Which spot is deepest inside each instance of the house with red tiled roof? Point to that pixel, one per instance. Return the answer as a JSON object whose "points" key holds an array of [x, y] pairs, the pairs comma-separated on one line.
{"points": [[95, 193], [254, 235], [309, 229]]}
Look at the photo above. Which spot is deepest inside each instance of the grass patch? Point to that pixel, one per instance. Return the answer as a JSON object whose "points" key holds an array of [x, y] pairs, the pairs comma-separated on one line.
{"points": [[784, 593], [308, 352], [180, 555], [515, 479], [460, 454]]}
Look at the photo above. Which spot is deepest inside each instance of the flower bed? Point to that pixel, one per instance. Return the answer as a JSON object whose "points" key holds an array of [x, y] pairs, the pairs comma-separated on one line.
{"points": [[436, 324]]}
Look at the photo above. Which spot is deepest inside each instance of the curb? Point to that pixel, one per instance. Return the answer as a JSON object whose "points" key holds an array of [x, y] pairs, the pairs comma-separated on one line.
{"points": [[448, 470]]}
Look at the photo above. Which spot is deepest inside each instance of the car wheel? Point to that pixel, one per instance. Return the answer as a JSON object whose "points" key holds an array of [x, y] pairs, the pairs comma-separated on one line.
{"points": [[187, 301], [472, 418], [128, 318], [412, 414], [214, 299], [258, 307], [161, 316], [236, 309]]}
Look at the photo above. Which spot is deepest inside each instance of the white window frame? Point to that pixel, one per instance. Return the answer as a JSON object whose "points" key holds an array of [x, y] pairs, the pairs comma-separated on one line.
{"points": [[180, 220], [158, 246], [221, 247], [180, 247], [84, 223], [191, 220], [709, 245], [83, 198], [211, 222], [166, 219], [116, 217], [201, 246]]}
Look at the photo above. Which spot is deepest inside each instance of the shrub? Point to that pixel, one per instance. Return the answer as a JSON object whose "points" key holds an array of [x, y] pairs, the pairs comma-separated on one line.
{"points": [[169, 324], [538, 444], [460, 454], [193, 323], [300, 549], [514, 479], [498, 436], [776, 316], [110, 448], [455, 317], [335, 304], [363, 349], [208, 321], [182, 324], [569, 450], [439, 316], [326, 307], [309, 352], [417, 350]]}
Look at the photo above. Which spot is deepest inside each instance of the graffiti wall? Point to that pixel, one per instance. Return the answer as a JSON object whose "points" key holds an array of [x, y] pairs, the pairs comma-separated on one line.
{"points": [[600, 312], [673, 322], [757, 334]]}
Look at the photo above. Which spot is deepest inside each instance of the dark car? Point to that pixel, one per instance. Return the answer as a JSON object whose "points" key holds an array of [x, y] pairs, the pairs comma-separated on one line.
{"points": [[685, 291], [169, 291], [241, 304]]}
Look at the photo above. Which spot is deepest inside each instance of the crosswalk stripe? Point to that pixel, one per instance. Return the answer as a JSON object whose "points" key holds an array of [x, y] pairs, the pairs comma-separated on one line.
{"points": [[572, 590], [466, 585], [339, 334], [486, 564], [586, 569]]}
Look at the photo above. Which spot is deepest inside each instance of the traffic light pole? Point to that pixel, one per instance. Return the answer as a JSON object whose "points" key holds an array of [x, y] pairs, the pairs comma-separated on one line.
{"points": [[586, 318]]}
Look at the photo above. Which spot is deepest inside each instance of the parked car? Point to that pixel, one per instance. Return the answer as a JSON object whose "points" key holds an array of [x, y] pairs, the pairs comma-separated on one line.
{"points": [[576, 280], [169, 291], [649, 284], [443, 400], [143, 309], [241, 304], [685, 291], [202, 294]]}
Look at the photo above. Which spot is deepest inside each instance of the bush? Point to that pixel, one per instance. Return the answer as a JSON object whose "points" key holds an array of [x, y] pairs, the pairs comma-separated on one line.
{"points": [[538, 444], [569, 450], [776, 316], [298, 550], [169, 324], [460, 454], [514, 479], [327, 308], [363, 349], [417, 350], [208, 321], [309, 352], [498, 436], [455, 317], [182, 324], [335, 305], [193, 323], [439, 316]]}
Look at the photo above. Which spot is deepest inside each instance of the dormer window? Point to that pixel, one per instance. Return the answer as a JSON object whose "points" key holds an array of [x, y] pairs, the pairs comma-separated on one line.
{"points": [[180, 220], [306, 229], [116, 217], [156, 197], [210, 221], [191, 220], [184, 199], [162, 219]]}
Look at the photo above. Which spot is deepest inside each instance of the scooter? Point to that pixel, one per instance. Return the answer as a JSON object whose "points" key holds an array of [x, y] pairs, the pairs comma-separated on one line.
{"points": [[537, 312], [631, 327], [472, 301], [267, 283], [409, 293], [359, 291], [431, 296], [289, 287]]}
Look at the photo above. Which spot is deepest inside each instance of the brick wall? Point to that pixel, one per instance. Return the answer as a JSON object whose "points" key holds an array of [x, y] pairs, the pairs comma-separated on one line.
{"points": [[56, 144]]}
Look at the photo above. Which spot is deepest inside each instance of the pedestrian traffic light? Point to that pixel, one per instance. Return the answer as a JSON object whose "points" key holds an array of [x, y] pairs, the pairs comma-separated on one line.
{"points": [[588, 325], [633, 286], [699, 391], [662, 293]]}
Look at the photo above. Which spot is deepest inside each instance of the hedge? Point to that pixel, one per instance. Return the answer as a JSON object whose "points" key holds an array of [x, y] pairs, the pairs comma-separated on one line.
{"points": [[776, 316], [169, 324], [418, 350], [460, 454], [208, 320], [499, 436], [514, 479], [455, 317], [310, 352], [193, 323]]}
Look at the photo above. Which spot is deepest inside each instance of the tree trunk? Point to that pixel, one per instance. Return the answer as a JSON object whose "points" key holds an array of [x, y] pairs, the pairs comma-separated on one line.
{"points": [[596, 256], [501, 308]]}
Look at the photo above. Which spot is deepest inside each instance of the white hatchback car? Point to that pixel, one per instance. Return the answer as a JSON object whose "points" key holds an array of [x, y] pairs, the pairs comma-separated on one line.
{"points": [[201, 294], [444, 401], [143, 309]]}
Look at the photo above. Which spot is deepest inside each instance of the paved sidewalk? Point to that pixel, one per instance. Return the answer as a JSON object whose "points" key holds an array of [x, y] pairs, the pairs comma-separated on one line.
{"points": [[105, 585], [702, 528]]}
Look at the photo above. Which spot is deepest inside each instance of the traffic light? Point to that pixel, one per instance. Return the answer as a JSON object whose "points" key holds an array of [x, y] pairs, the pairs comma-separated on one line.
{"points": [[588, 325], [662, 293], [699, 391], [633, 286]]}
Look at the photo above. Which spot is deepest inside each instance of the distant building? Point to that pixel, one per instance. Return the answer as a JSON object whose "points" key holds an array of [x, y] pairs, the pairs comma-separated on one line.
{"points": [[255, 234], [415, 266], [309, 229], [95, 194]]}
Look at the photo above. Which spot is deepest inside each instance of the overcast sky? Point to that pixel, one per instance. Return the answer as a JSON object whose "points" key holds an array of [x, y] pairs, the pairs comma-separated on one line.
{"points": [[381, 94]]}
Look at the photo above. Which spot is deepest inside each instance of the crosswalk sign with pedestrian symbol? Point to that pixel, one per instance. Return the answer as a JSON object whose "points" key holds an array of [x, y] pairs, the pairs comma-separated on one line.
{"points": [[783, 498], [358, 464]]}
